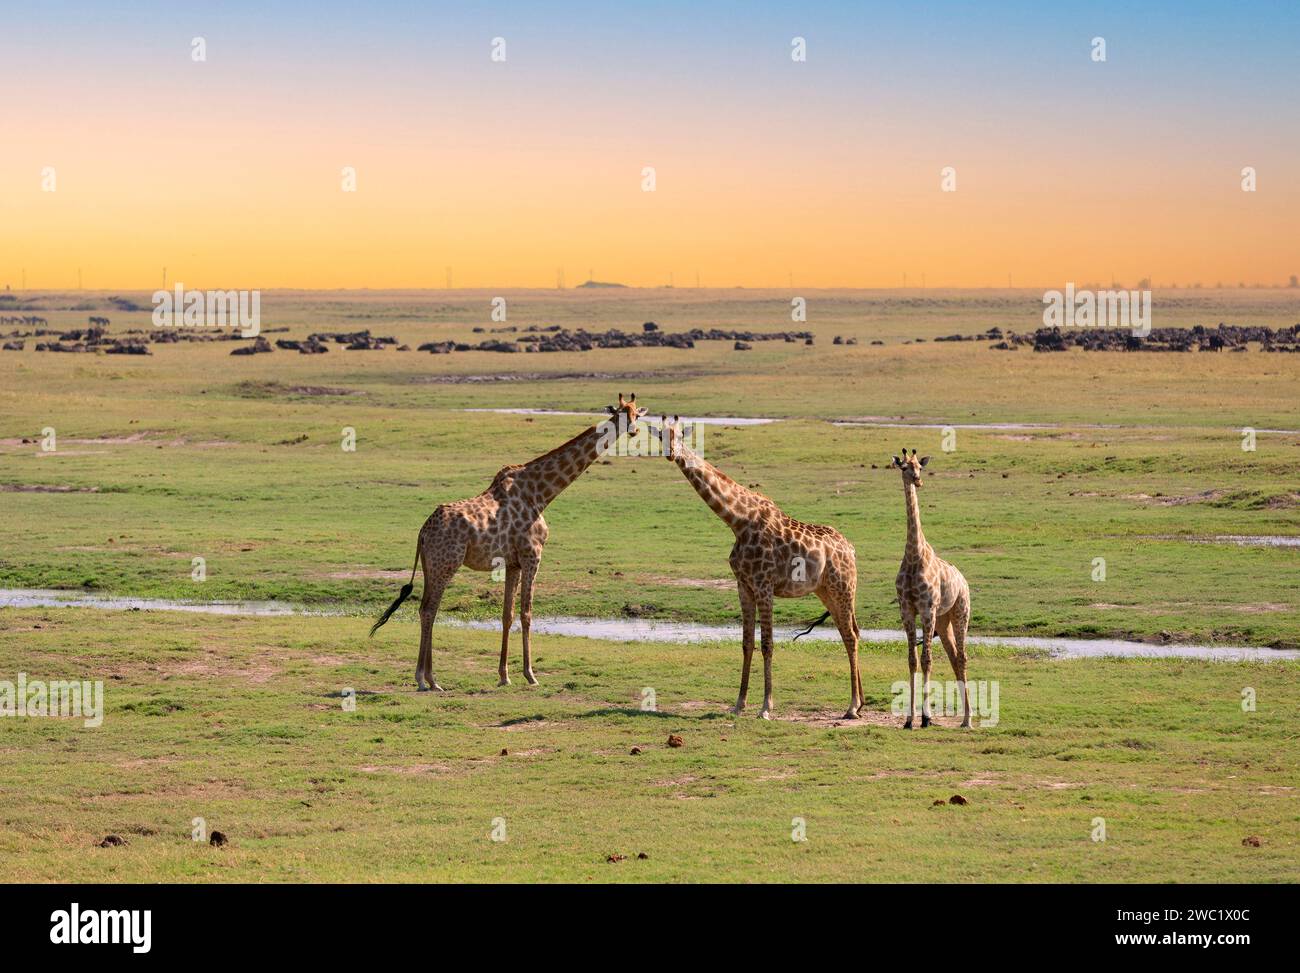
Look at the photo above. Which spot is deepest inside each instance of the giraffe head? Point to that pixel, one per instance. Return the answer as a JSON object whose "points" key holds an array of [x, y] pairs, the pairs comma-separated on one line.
{"points": [[627, 409], [672, 437], [911, 468]]}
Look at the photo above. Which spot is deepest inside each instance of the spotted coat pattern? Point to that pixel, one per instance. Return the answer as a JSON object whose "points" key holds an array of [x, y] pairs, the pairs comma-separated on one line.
{"points": [[933, 592], [775, 556], [503, 528]]}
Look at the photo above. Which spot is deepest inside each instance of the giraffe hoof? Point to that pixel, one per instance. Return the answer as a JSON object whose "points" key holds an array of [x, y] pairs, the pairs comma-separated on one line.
{"points": [[503, 681], [532, 680], [907, 725], [852, 714], [925, 721], [765, 715], [436, 688]]}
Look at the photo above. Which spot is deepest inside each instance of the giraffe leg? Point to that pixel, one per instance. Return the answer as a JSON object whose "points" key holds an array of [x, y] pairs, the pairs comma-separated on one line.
{"points": [[848, 627], [429, 602], [528, 572], [960, 621], [944, 631], [849, 633], [765, 624], [909, 626], [507, 619], [862, 700], [927, 634], [746, 643]]}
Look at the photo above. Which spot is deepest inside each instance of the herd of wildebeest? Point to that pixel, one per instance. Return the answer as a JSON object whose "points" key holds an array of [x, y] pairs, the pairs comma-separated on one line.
{"points": [[553, 338]]}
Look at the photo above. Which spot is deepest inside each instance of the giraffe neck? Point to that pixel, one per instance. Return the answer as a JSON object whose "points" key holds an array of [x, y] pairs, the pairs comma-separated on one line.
{"points": [[548, 475], [915, 538], [723, 495]]}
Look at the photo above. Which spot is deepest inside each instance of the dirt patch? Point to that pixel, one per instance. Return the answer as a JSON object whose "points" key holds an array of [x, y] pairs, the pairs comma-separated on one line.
{"points": [[1203, 497], [408, 769], [267, 390], [985, 781], [147, 762], [253, 672], [135, 437], [328, 660], [44, 488], [1275, 790], [360, 573], [314, 390], [867, 718], [718, 584]]}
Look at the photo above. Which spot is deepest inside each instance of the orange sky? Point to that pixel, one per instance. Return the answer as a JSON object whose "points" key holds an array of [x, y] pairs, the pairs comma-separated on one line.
{"points": [[828, 172]]}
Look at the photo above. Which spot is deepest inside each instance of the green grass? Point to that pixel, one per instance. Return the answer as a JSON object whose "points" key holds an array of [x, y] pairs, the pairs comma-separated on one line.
{"points": [[238, 460], [239, 721], [1023, 515]]}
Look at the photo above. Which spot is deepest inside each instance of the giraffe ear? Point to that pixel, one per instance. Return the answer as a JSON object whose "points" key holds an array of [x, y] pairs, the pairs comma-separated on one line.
{"points": [[896, 463], [642, 410], [924, 460], [611, 410]]}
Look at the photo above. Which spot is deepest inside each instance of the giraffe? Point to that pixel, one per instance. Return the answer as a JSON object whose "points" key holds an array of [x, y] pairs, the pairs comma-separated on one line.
{"points": [[503, 527], [774, 556], [933, 590]]}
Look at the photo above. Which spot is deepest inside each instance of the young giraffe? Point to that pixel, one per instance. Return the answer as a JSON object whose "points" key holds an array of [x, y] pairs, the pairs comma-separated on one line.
{"points": [[933, 590], [774, 556], [503, 527]]}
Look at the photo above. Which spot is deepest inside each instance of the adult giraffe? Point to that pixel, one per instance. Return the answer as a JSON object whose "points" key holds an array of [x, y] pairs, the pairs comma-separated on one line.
{"points": [[503, 527], [774, 556]]}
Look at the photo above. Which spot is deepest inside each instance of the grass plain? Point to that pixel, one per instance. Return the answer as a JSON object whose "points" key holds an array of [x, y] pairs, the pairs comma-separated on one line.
{"points": [[1134, 458]]}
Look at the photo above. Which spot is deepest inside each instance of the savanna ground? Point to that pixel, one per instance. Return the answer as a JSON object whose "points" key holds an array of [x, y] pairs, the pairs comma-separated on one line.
{"points": [[238, 720]]}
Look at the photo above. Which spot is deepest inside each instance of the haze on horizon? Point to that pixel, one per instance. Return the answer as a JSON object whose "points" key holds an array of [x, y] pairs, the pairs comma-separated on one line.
{"points": [[826, 172]]}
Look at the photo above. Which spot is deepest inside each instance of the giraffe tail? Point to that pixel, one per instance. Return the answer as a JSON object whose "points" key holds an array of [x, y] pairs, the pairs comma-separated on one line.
{"points": [[825, 615], [405, 593]]}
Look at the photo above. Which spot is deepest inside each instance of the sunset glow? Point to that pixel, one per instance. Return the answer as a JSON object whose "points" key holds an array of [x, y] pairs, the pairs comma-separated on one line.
{"points": [[228, 171]]}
